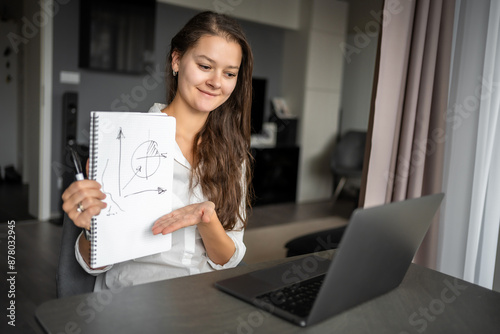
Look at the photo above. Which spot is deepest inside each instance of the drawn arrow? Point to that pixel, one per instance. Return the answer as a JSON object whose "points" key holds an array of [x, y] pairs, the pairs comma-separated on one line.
{"points": [[119, 137], [137, 171], [159, 155], [159, 190]]}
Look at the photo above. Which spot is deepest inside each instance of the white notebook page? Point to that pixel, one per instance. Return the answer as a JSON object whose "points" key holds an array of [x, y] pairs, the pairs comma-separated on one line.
{"points": [[131, 156]]}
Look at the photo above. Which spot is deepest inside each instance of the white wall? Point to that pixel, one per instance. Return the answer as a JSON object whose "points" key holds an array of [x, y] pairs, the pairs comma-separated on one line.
{"points": [[357, 86], [45, 110], [280, 13], [323, 85], [360, 51]]}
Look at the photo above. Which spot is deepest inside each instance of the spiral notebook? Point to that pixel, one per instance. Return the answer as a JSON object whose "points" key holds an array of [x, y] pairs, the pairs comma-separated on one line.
{"points": [[131, 156]]}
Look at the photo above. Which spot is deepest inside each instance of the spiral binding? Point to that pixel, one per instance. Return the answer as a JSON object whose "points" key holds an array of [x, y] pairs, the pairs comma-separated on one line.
{"points": [[93, 153]]}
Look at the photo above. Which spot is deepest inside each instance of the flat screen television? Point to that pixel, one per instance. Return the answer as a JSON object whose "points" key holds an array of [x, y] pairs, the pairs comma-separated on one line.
{"points": [[117, 35], [259, 89]]}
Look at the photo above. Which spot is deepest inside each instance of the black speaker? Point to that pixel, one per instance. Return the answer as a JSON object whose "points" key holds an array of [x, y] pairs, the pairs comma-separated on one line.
{"points": [[66, 170], [70, 113]]}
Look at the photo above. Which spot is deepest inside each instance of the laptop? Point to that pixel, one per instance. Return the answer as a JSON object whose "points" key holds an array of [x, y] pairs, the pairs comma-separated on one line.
{"points": [[373, 257]]}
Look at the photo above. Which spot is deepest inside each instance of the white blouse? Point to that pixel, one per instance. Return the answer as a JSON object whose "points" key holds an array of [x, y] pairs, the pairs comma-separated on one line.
{"points": [[187, 255]]}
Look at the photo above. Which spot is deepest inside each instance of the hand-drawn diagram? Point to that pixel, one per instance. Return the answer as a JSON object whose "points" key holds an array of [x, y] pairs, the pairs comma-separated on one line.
{"points": [[146, 160], [135, 178]]}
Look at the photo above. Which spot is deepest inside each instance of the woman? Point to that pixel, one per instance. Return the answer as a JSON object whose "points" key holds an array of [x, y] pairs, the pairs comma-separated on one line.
{"points": [[209, 71]]}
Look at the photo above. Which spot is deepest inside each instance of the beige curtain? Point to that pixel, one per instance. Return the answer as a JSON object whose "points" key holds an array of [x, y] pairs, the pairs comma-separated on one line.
{"points": [[407, 124]]}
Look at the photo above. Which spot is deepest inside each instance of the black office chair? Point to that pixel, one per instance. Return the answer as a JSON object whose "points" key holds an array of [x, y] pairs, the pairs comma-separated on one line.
{"points": [[347, 159], [346, 162], [71, 279]]}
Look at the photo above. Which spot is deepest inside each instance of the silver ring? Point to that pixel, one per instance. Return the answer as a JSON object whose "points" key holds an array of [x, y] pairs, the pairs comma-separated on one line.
{"points": [[80, 207]]}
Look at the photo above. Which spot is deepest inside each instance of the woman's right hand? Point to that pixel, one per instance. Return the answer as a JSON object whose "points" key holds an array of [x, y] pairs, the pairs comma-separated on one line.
{"points": [[89, 194]]}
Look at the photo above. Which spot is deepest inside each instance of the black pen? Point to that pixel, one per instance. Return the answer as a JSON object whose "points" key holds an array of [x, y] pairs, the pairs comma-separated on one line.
{"points": [[78, 165]]}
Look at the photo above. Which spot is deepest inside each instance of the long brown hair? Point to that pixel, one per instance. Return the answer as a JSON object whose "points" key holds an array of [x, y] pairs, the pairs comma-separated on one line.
{"points": [[221, 149]]}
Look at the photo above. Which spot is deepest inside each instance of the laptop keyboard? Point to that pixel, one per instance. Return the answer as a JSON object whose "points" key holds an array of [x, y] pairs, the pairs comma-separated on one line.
{"points": [[297, 299]]}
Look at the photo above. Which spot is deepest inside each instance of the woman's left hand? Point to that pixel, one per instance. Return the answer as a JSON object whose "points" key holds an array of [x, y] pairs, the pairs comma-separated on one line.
{"points": [[189, 215]]}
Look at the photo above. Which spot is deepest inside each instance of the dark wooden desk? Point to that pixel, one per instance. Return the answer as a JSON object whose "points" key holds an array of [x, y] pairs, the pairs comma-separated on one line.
{"points": [[426, 302]]}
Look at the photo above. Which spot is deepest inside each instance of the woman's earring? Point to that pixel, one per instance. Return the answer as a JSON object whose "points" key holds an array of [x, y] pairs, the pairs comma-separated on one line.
{"points": [[174, 73]]}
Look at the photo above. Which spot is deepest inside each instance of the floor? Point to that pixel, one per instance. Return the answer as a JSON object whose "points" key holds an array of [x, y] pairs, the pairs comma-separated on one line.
{"points": [[37, 246]]}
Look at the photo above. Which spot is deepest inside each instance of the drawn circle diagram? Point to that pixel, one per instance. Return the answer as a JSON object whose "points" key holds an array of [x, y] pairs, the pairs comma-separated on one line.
{"points": [[146, 159]]}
